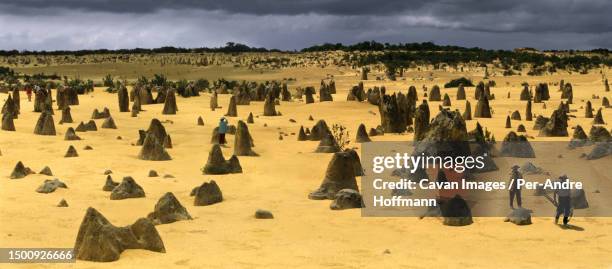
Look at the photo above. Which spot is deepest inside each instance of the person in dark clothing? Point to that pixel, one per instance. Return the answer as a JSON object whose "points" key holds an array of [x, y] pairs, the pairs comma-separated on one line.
{"points": [[222, 130], [28, 90], [563, 200], [514, 189]]}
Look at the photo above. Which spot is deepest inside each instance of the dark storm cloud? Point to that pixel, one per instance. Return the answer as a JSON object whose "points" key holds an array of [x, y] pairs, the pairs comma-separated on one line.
{"points": [[293, 24]]}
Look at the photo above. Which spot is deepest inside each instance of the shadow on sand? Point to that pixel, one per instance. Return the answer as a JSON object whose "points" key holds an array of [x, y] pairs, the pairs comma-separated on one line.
{"points": [[571, 227]]}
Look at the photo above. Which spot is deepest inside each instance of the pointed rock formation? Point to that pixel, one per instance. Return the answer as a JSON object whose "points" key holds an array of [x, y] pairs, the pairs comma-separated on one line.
{"points": [[328, 144], [557, 125], [605, 102], [269, 107], [170, 107], [153, 149], [124, 100], [232, 111], [588, 110], [45, 125], [66, 116], [421, 121], [319, 130], [521, 128], [599, 134], [62, 203], [217, 165], [528, 114], [214, 103], [81, 127], [515, 115], [392, 114], [434, 94], [467, 114], [446, 101], [508, 122], [200, 121], [309, 92], [100, 241], [136, 107], [109, 123], [598, 118], [71, 152], [10, 108], [302, 135], [362, 135], [168, 210], [516, 146], [20, 171], [46, 171], [482, 108], [243, 142], [109, 184], [91, 126], [460, 92], [7, 122], [250, 118], [525, 95], [127, 189], [207, 194], [340, 174]]}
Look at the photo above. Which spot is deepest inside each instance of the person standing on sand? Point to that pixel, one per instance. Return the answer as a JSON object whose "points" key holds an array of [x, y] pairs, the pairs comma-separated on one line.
{"points": [[563, 200], [515, 190], [28, 90], [222, 130]]}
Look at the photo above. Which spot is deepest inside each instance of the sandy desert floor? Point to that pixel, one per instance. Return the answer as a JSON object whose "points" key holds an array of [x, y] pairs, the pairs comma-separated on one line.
{"points": [[304, 233]]}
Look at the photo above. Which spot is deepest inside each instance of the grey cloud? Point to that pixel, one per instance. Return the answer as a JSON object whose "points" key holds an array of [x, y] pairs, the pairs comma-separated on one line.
{"points": [[74, 24]]}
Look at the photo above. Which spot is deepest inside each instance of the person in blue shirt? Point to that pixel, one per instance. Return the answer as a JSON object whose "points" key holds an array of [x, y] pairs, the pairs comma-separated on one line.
{"points": [[222, 130]]}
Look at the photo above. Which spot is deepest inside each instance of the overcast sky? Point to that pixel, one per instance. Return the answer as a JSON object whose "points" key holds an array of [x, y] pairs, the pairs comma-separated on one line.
{"points": [[295, 24]]}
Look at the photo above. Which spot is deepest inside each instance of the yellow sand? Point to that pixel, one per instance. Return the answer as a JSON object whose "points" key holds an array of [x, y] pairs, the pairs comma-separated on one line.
{"points": [[304, 233]]}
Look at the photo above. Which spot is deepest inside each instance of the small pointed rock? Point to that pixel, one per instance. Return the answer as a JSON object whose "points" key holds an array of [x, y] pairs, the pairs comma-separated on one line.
{"points": [[71, 152], [62, 203], [46, 171], [109, 184], [109, 123]]}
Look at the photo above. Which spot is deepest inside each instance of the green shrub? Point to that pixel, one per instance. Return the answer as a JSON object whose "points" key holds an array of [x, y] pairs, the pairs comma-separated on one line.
{"points": [[456, 82]]}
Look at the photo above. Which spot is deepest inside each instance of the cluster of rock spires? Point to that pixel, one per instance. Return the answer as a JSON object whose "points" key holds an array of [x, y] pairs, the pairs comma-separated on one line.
{"points": [[96, 114], [326, 91], [218, 165], [556, 125], [357, 93], [154, 142], [100, 241], [90, 126], [397, 111]]}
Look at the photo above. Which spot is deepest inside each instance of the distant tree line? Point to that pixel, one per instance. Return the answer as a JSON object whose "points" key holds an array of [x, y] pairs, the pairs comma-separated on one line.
{"points": [[230, 47]]}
